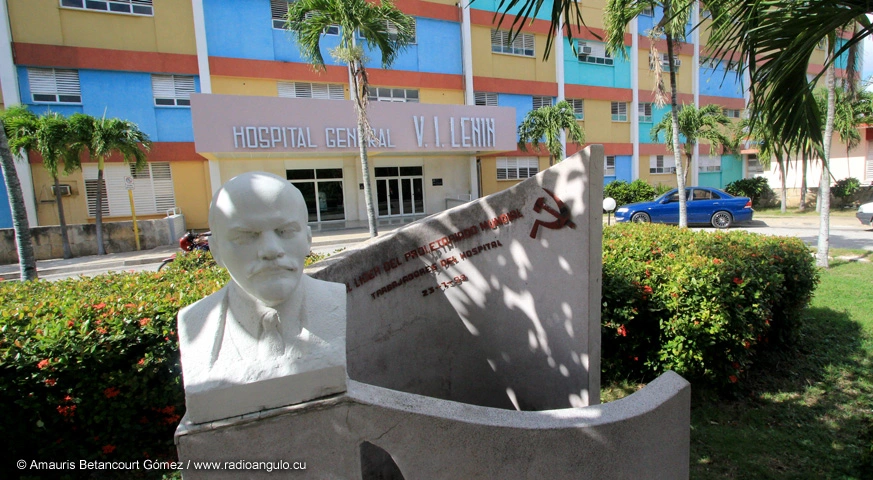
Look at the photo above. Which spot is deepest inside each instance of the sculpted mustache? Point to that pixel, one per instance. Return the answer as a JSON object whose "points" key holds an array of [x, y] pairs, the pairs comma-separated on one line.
{"points": [[263, 266]]}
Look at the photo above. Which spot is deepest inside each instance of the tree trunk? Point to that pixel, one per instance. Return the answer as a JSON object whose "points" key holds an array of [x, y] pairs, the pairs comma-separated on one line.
{"points": [[26, 259], [62, 221], [674, 113], [803, 163], [98, 216], [824, 187], [363, 138], [783, 196]]}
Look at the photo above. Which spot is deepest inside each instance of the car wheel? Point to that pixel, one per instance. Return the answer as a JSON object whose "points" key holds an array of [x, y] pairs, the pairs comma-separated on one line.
{"points": [[722, 220], [641, 217]]}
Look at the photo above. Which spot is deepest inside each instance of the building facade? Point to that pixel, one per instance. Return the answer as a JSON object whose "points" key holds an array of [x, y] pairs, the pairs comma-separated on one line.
{"points": [[202, 78]]}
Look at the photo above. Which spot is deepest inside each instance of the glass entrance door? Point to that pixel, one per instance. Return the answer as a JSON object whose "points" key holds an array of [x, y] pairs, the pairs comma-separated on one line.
{"points": [[322, 190], [399, 191]]}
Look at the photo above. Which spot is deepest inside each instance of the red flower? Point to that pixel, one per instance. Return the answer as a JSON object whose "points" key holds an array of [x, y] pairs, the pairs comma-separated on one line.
{"points": [[141, 361], [70, 323], [101, 330], [738, 280], [747, 344], [168, 410], [129, 305], [622, 331], [99, 306], [145, 321], [68, 398], [67, 410], [716, 261], [107, 449], [42, 364], [111, 392], [647, 290], [50, 382], [733, 378]]}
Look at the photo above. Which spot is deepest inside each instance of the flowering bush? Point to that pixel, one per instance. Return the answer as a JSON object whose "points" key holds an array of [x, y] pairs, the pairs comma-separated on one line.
{"points": [[699, 303]]}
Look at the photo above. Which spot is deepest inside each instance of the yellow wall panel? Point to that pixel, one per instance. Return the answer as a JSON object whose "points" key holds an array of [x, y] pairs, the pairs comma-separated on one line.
{"points": [[192, 190], [174, 27], [654, 179], [74, 206], [35, 21], [244, 86], [683, 74], [517, 67], [441, 96], [170, 30], [490, 184], [599, 127]]}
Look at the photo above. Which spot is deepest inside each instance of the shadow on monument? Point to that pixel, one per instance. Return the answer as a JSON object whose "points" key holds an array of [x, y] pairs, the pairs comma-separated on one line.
{"points": [[485, 304], [377, 464]]}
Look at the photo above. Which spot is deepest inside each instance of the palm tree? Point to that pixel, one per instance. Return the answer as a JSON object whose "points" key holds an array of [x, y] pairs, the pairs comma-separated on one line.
{"points": [[308, 19], [767, 149], [547, 123], [695, 124], [617, 15], [104, 137], [49, 135], [23, 240]]}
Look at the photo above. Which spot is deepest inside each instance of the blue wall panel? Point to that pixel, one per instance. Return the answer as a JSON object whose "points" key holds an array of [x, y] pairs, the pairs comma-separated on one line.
{"points": [[583, 73], [521, 103], [239, 28], [5, 210], [286, 49], [624, 168], [719, 83], [439, 46], [125, 95]]}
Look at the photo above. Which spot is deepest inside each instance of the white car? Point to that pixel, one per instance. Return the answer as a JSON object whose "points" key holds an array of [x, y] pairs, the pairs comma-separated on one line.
{"points": [[865, 213]]}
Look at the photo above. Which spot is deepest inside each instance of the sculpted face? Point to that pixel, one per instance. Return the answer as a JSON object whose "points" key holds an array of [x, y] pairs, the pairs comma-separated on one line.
{"points": [[259, 234]]}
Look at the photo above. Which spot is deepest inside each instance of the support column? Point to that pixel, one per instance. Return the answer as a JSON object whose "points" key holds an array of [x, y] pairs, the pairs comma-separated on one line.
{"points": [[202, 48], [635, 101]]}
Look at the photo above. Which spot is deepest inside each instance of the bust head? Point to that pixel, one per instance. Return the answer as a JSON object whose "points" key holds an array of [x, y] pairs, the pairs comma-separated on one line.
{"points": [[259, 233]]}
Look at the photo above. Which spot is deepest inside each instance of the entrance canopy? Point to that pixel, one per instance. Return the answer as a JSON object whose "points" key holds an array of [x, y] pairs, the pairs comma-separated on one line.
{"points": [[231, 126]]}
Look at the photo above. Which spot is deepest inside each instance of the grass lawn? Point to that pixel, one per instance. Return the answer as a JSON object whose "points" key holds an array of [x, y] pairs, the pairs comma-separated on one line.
{"points": [[807, 413]]}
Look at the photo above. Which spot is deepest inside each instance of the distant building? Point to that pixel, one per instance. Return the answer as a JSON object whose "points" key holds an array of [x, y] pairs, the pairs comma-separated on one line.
{"points": [[142, 60]]}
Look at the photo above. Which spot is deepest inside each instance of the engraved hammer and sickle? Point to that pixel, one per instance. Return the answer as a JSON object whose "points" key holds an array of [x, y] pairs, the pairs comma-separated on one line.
{"points": [[562, 215]]}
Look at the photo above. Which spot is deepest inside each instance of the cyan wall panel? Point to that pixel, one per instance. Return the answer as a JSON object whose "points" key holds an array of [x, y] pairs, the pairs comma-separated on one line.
{"points": [[658, 113], [491, 6], [709, 179], [239, 28], [646, 22], [583, 73], [731, 169]]}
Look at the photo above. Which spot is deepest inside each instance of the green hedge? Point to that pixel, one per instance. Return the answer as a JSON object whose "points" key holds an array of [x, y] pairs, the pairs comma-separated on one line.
{"points": [[699, 303], [89, 367]]}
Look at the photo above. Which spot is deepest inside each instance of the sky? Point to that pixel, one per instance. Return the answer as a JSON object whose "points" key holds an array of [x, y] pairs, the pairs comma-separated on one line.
{"points": [[867, 70]]}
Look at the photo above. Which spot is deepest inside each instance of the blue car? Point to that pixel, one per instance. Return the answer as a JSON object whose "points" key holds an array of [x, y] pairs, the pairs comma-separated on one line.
{"points": [[705, 206]]}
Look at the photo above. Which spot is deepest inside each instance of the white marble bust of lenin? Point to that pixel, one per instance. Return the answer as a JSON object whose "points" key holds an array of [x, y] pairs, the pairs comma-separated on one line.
{"points": [[272, 336]]}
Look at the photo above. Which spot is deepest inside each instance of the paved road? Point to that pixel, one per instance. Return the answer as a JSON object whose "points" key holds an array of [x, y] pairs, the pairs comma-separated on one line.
{"points": [[845, 232]]}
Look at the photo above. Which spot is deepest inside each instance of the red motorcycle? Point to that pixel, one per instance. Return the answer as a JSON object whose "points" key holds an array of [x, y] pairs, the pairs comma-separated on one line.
{"points": [[189, 242]]}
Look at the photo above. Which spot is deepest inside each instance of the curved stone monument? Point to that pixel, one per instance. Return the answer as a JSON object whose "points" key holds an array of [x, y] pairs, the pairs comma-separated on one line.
{"points": [[473, 351]]}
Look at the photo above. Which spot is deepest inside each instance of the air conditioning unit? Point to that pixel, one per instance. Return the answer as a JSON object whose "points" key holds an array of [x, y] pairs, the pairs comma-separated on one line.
{"points": [[66, 190], [585, 50], [677, 62]]}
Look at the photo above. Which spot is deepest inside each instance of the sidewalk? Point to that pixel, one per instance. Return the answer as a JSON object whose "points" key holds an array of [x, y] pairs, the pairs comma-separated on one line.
{"points": [[344, 233]]}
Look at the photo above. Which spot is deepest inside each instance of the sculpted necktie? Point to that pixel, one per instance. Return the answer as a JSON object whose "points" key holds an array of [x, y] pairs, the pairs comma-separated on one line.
{"points": [[271, 344]]}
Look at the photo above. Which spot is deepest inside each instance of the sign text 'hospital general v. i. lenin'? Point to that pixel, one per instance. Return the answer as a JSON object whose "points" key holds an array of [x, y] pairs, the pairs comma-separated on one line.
{"points": [[430, 133]]}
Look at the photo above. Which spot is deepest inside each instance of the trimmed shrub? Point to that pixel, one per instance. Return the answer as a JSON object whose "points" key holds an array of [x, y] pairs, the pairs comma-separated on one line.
{"points": [[625, 193], [757, 189], [699, 303], [89, 367], [845, 188]]}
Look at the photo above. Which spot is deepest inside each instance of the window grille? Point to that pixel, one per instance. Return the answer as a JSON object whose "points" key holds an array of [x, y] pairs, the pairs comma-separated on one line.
{"points": [[129, 7], [54, 85], [502, 42], [172, 90], [619, 111], [516, 168], [324, 91]]}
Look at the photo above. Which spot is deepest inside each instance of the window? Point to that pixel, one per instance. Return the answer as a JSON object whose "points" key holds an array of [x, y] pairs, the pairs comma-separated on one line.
{"points": [[279, 9], [391, 28], [665, 62], [517, 168], [648, 11], [485, 99], [609, 166], [54, 85], [754, 165], [709, 163], [152, 194], [869, 167], [619, 111], [383, 94], [645, 112], [578, 107], [324, 91], [130, 7], [732, 112], [522, 44], [661, 164], [172, 90], [592, 52], [539, 102]]}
